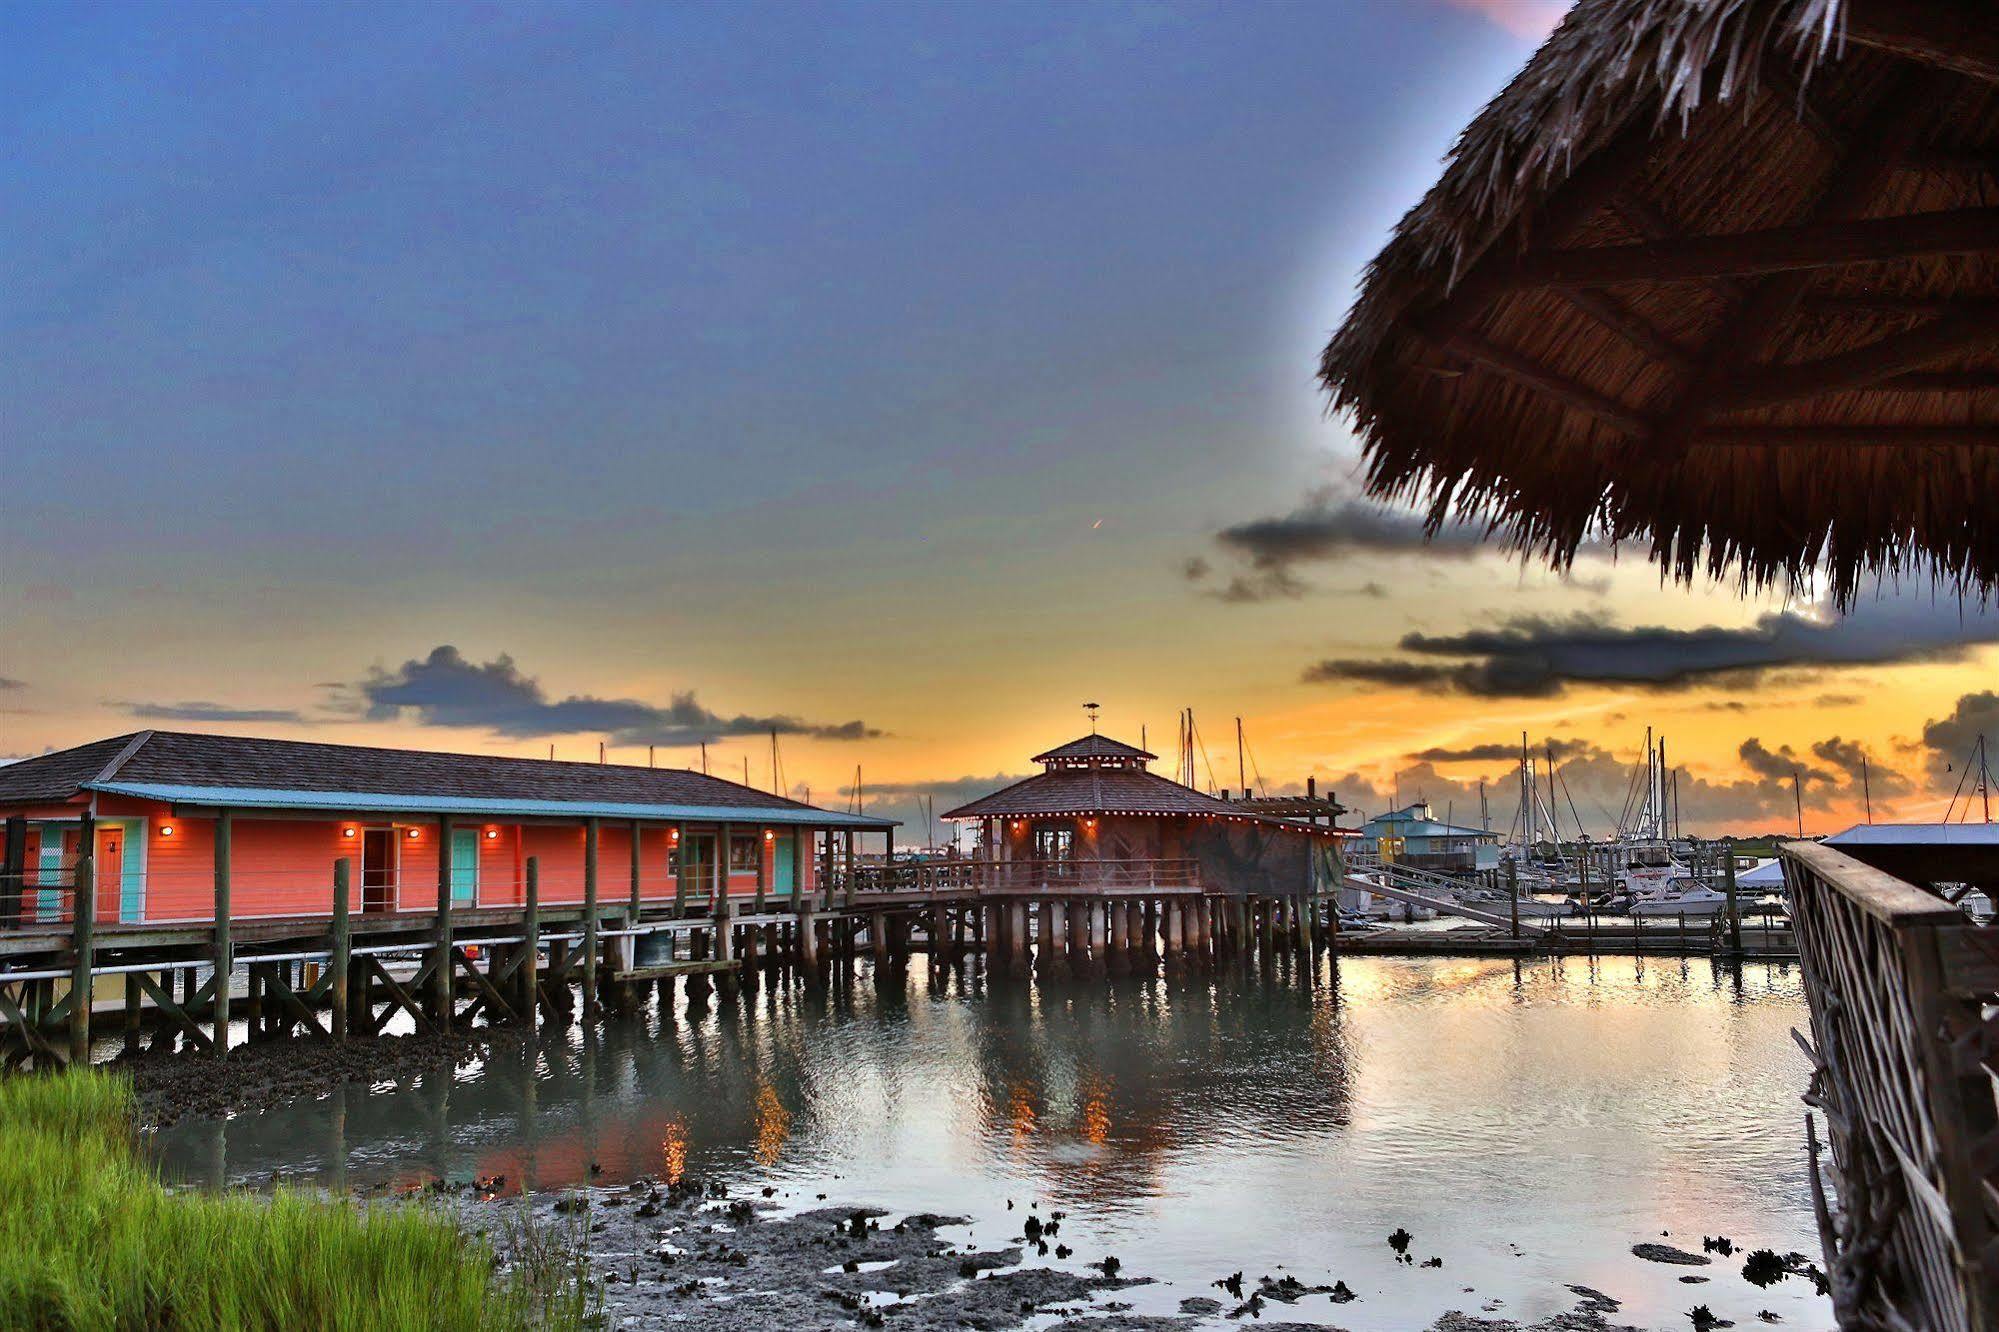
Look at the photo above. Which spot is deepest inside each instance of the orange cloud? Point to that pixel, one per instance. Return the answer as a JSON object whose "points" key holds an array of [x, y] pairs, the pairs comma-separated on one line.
{"points": [[1533, 19]]}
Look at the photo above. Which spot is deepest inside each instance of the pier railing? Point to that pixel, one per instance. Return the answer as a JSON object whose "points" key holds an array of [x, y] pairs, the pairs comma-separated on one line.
{"points": [[1904, 1058], [1022, 876]]}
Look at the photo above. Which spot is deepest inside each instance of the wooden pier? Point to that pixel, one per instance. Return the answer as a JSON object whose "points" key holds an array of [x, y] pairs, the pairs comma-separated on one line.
{"points": [[349, 976]]}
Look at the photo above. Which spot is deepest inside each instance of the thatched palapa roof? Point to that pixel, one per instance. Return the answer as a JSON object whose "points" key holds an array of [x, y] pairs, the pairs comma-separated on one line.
{"points": [[1717, 276]]}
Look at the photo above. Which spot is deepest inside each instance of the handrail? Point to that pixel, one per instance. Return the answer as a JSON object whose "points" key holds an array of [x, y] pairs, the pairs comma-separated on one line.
{"points": [[1902, 1070]]}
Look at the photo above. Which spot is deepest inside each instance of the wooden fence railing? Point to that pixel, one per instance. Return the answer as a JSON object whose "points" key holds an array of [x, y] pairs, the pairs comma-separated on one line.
{"points": [[1904, 1055], [1027, 876]]}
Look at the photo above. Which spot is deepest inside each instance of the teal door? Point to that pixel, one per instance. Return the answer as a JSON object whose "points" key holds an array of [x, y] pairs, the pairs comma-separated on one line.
{"points": [[784, 869], [464, 867]]}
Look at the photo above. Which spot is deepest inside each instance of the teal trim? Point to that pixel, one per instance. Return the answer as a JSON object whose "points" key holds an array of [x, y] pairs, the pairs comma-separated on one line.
{"points": [[464, 867], [132, 881], [784, 866], [385, 802], [48, 901]]}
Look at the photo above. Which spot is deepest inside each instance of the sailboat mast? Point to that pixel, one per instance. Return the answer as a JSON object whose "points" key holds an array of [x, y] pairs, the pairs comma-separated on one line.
{"points": [[1241, 778]]}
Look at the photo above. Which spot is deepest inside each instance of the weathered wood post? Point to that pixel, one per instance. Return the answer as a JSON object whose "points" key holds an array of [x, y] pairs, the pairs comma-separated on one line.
{"points": [[681, 847], [590, 1005], [853, 865], [1513, 894], [132, 1002], [633, 918], [530, 968], [808, 941], [442, 988], [342, 959], [725, 939], [1734, 916], [1099, 936], [1047, 957], [765, 841], [13, 870], [940, 936], [83, 928], [225, 954]]}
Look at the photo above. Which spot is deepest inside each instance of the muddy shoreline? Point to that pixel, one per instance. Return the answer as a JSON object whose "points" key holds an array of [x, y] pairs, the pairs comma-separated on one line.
{"points": [[174, 1086], [691, 1256]]}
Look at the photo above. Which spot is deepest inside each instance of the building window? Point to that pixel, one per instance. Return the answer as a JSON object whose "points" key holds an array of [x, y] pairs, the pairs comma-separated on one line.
{"points": [[1054, 843], [743, 853]]}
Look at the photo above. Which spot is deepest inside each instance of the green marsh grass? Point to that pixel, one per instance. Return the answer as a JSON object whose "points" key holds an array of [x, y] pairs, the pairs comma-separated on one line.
{"points": [[90, 1238]]}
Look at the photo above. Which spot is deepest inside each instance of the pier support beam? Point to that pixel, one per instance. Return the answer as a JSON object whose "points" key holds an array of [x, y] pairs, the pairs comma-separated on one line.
{"points": [[225, 952], [341, 960], [590, 924], [529, 1005], [1048, 964], [83, 926]]}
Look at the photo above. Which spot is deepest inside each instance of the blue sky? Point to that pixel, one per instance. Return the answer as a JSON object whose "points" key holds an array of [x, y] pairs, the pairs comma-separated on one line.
{"points": [[833, 362]]}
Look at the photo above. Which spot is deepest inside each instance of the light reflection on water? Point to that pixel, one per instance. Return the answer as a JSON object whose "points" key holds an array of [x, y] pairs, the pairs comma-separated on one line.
{"points": [[1527, 1122]]}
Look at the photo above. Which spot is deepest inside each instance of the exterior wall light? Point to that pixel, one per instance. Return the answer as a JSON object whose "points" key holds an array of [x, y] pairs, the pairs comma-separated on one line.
{"points": [[492, 833], [166, 830], [415, 833], [347, 833]]}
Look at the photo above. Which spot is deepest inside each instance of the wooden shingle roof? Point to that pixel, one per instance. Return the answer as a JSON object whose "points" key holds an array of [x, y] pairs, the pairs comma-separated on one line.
{"points": [[177, 759], [1093, 747]]}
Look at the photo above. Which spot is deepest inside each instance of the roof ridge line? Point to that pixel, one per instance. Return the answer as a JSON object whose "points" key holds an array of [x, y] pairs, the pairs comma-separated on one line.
{"points": [[133, 746]]}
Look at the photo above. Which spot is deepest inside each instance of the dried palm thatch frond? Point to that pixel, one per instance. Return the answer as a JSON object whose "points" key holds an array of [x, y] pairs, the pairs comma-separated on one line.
{"points": [[1720, 276]]}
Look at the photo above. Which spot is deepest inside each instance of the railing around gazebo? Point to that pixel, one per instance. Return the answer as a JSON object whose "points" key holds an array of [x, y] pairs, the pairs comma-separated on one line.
{"points": [[1021, 876], [1904, 1055]]}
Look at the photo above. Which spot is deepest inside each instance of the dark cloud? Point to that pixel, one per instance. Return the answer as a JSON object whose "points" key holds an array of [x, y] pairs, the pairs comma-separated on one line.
{"points": [[1501, 752], [444, 689], [1468, 678], [1861, 766], [1778, 765], [1949, 740], [1537, 657], [954, 790], [1327, 529], [7, 682], [1195, 569], [196, 711], [1837, 700], [1258, 585]]}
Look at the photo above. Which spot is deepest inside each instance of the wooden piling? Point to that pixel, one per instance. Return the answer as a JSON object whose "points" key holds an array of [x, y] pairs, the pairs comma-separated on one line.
{"points": [[1045, 961], [83, 928], [590, 1003], [443, 999], [225, 953], [530, 969], [342, 958], [132, 1001]]}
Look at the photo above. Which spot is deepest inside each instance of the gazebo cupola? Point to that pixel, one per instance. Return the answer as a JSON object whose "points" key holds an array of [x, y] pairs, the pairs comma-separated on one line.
{"points": [[1094, 751]]}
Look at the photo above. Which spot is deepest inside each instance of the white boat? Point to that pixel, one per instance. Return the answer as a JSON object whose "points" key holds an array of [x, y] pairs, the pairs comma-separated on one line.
{"points": [[1531, 908], [1679, 897]]}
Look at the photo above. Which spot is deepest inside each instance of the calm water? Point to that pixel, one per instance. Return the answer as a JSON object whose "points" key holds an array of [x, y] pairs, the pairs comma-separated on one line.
{"points": [[1528, 1123]]}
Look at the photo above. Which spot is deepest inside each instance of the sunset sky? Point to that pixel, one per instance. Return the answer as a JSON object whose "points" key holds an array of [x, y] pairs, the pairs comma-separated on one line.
{"points": [[901, 376]]}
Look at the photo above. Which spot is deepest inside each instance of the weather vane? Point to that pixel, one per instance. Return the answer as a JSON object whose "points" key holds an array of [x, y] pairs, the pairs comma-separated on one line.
{"points": [[1091, 708]]}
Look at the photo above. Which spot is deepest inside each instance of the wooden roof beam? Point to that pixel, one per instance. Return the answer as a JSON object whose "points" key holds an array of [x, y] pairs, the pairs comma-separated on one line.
{"points": [[1860, 303], [1949, 35], [1849, 436], [1531, 373], [1645, 218], [1856, 179], [1974, 328], [1773, 250], [1621, 319]]}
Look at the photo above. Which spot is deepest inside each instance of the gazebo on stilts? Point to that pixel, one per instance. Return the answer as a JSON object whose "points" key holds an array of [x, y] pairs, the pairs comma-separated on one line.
{"points": [[1720, 279]]}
